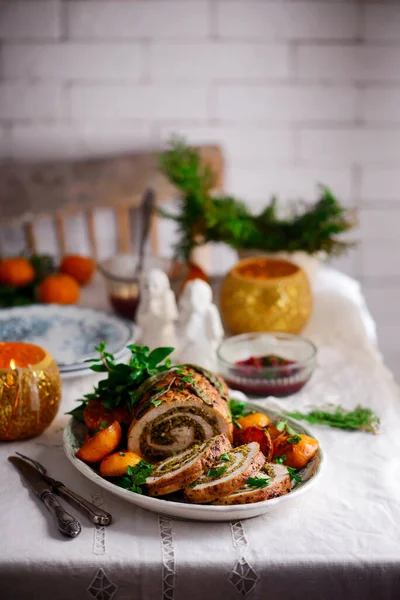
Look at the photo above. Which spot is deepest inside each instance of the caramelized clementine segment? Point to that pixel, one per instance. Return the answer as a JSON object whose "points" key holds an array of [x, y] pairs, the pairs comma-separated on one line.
{"points": [[101, 444], [297, 455], [257, 419], [117, 463]]}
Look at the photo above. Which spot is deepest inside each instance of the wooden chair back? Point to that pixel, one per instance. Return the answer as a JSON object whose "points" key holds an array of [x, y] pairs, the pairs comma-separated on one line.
{"points": [[57, 191]]}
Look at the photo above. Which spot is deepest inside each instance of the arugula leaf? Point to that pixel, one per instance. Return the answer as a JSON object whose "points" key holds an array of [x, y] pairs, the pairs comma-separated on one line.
{"points": [[216, 472], [136, 476], [258, 482]]}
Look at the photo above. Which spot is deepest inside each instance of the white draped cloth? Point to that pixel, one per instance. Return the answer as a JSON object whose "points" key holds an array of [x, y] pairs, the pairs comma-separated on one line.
{"points": [[339, 541]]}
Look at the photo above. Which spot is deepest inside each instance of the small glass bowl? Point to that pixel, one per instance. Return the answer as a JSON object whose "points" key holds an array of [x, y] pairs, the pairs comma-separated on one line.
{"points": [[279, 381], [121, 277]]}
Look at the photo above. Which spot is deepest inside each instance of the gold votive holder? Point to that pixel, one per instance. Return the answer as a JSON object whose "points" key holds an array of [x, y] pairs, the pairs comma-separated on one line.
{"points": [[265, 294], [30, 390]]}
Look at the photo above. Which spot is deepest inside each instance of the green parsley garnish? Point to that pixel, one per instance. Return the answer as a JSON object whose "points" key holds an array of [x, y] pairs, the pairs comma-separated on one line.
{"points": [[192, 485], [103, 425], [294, 437], [258, 482], [122, 381], [224, 456], [238, 410], [363, 419], [292, 472], [156, 402], [135, 477], [280, 459], [294, 475], [216, 472]]}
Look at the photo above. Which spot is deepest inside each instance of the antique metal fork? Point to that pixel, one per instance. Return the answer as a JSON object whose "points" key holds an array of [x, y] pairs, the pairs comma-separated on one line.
{"points": [[95, 514]]}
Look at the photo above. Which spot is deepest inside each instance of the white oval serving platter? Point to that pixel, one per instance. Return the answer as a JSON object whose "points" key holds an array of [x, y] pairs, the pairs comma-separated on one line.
{"points": [[73, 437]]}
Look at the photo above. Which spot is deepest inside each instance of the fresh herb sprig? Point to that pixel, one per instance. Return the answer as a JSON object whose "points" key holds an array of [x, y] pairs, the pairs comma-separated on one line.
{"points": [[258, 482], [238, 410], [225, 456], [292, 472], [217, 472], [361, 418], [204, 217], [135, 478], [293, 475], [294, 437], [119, 388]]}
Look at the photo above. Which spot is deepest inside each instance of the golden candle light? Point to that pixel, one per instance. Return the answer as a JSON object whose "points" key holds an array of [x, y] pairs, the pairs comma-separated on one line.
{"points": [[30, 390], [265, 294]]}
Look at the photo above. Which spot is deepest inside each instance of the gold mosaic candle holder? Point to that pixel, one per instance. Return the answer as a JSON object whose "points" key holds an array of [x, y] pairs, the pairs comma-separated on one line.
{"points": [[265, 294], [30, 390]]}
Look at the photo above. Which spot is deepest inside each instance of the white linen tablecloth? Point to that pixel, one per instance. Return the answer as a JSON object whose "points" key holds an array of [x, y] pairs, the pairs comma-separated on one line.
{"points": [[340, 540]]}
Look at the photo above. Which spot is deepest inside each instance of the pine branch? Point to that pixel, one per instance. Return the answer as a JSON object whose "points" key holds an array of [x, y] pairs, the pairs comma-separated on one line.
{"points": [[204, 218]]}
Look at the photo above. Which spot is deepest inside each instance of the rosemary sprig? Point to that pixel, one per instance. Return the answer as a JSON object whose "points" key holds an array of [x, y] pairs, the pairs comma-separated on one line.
{"points": [[361, 418]]}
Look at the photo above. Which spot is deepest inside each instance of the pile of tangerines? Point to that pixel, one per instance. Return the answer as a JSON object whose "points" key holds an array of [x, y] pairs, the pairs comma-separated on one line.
{"points": [[62, 287]]}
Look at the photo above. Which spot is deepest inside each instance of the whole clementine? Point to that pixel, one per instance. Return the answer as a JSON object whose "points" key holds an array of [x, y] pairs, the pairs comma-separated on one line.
{"points": [[79, 267], [59, 289], [16, 271]]}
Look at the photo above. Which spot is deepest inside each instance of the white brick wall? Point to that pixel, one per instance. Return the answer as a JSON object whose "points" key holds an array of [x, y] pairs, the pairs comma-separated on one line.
{"points": [[297, 92]]}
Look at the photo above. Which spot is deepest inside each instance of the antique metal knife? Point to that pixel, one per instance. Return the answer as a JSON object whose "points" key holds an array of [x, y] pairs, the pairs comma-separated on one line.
{"points": [[97, 515], [66, 523]]}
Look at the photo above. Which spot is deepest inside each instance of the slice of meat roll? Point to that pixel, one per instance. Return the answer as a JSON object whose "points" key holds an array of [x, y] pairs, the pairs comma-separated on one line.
{"points": [[176, 409], [275, 476], [227, 474], [177, 472]]}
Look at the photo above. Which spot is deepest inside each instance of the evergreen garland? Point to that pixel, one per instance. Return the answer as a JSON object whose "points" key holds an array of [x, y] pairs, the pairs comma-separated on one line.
{"points": [[204, 218]]}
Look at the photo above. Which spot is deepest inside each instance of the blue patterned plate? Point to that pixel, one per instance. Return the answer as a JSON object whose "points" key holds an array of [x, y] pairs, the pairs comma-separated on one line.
{"points": [[67, 332]]}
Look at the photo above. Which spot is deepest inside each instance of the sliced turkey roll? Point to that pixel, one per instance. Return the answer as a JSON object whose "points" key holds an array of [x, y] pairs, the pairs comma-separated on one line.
{"points": [[177, 472], [278, 483], [178, 408], [227, 474]]}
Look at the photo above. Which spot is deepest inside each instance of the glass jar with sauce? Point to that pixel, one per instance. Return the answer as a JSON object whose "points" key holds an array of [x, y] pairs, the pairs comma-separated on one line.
{"points": [[121, 277]]}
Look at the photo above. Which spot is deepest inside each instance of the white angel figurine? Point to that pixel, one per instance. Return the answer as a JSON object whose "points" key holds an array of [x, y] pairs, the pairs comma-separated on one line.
{"points": [[157, 310], [200, 327]]}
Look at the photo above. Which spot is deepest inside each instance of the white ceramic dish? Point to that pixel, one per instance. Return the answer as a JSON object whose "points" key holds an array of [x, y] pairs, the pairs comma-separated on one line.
{"points": [[69, 333], [74, 435]]}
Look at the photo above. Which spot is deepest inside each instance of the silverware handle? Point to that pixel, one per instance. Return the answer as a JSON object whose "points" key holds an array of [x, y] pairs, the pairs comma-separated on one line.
{"points": [[95, 514], [65, 522]]}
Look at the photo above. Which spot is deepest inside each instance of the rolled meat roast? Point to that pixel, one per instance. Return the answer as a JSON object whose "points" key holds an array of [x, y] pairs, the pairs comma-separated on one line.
{"points": [[180, 407]]}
